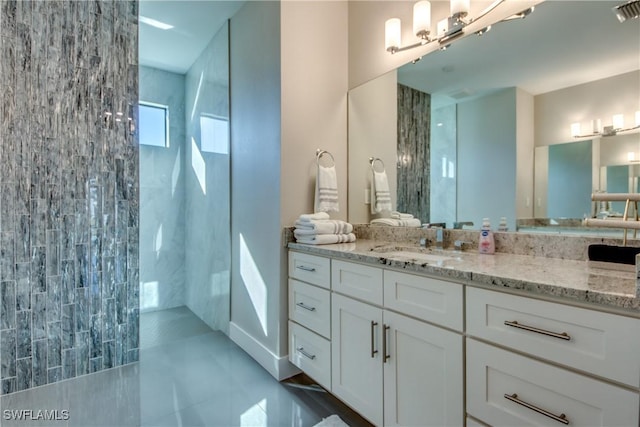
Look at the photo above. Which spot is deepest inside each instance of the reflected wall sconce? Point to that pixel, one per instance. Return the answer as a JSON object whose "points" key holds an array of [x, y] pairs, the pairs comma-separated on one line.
{"points": [[616, 127], [628, 10], [446, 29]]}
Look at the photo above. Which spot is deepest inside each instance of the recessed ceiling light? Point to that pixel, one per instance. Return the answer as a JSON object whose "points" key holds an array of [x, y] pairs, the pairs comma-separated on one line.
{"points": [[155, 23]]}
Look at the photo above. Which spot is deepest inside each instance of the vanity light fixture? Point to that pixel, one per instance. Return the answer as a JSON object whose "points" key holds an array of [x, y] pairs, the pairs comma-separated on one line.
{"points": [[446, 29], [628, 10], [616, 127]]}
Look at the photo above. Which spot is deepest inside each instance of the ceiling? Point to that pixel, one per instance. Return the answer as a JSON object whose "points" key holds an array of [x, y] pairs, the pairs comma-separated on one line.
{"points": [[194, 24], [561, 44]]}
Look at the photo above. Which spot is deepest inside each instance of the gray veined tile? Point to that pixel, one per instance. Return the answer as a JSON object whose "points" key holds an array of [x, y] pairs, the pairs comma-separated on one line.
{"points": [[8, 305], [54, 344], [39, 362], [39, 315], [54, 298], [7, 256], [23, 239], [8, 353], [68, 326], [95, 335], [38, 269], [24, 380], [82, 352], [69, 363], [53, 252], [23, 286], [67, 236], [23, 334], [82, 309], [82, 266]]}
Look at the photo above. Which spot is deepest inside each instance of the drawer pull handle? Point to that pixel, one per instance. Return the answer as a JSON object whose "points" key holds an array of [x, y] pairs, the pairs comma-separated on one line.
{"points": [[305, 354], [562, 418], [306, 307], [373, 350], [385, 329], [305, 268], [562, 335]]}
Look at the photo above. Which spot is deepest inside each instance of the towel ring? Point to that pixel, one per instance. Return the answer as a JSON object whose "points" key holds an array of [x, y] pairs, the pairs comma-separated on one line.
{"points": [[372, 163], [320, 153]]}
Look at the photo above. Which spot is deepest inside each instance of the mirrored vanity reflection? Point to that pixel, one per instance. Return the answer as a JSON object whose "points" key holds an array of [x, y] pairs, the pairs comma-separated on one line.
{"points": [[498, 122]]}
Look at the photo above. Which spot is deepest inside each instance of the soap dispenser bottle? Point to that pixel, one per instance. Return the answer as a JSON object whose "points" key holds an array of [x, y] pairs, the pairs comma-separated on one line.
{"points": [[486, 244]]}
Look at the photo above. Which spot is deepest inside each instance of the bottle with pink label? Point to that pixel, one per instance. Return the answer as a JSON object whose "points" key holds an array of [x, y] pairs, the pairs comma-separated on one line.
{"points": [[486, 244]]}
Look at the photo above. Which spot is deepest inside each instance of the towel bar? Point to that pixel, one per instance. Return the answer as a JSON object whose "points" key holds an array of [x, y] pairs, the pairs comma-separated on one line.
{"points": [[373, 160], [320, 153]]}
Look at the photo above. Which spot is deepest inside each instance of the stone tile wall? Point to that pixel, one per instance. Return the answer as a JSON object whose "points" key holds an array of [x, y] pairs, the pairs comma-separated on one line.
{"points": [[68, 189]]}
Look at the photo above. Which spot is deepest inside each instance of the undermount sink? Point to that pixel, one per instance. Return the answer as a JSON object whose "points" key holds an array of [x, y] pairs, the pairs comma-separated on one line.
{"points": [[419, 256], [424, 255]]}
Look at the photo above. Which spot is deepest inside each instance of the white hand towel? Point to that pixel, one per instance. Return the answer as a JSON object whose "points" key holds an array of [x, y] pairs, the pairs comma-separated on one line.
{"points": [[327, 239], [411, 222], [313, 217], [326, 199], [324, 226], [400, 215], [380, 193]]}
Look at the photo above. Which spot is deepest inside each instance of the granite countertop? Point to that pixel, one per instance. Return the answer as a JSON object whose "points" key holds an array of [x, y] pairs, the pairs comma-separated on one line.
{"points": [[551, 277]]}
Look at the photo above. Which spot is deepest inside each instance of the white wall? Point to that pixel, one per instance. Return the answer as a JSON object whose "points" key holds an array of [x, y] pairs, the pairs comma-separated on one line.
{"points": [[314, 100], [256, 289], [288, 97], [601, 99], [162, 196], [373, 123], [524, 154], [486, 176]]}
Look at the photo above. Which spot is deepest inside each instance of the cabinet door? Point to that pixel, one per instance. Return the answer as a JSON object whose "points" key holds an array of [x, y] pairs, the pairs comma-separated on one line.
{"points": [[356, 362], [423, 374]]}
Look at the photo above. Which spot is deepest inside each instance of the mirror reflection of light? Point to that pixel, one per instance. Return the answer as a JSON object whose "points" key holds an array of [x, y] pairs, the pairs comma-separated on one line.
{"points": [[195, 101], [175, 173], [452, 170], [253, 282], [254, 416], [197, 163], [158, 241], [149, 297]]}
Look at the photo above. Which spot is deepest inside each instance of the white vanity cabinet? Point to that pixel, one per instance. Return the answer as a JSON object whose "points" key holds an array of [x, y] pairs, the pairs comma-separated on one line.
{"points": [[393, 369], [310, 316], [505, 388]]}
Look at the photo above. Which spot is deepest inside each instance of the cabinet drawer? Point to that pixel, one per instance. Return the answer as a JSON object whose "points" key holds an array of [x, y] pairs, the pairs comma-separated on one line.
{"points": [[505, 389], [428, 299], [358, 281], [310, 268], [311, 353], [600, 343], [310, 306]]}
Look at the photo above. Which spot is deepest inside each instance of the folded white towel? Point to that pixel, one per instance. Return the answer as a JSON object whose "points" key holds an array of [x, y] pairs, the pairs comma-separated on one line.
{"points": [[313, 217], [410, 222], [324, 226], [399, 215], [326, 199], [380, 193], [326, 239]]}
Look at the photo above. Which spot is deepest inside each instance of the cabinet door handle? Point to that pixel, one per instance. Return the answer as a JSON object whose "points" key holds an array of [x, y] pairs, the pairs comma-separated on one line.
{"points": [[561, 335], [562, 418], [385, 329], [305, 354], [373, 333], [306, 307], [305, 268]]}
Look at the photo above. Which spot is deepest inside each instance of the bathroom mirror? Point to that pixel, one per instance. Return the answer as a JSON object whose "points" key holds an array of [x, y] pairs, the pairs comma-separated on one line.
{"points": [[494, 100]]}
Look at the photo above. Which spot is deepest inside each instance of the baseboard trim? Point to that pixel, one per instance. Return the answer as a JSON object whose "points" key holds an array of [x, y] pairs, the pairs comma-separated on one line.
{"points": [[279, 367]]}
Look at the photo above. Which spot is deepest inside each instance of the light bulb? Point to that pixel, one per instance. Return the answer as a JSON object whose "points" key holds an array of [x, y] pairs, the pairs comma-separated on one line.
{"points": [[392, 35], [422, 19], [575, 129], [459, 8], [618, 121], [638, 118]]}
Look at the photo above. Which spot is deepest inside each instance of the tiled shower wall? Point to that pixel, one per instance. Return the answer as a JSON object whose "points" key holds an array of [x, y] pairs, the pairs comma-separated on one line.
{"points": [[414, 129], [69, 189]]}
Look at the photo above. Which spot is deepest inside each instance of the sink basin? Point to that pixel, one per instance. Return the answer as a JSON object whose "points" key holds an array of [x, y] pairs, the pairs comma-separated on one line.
{"points": [[419, 256], [415, 254]]}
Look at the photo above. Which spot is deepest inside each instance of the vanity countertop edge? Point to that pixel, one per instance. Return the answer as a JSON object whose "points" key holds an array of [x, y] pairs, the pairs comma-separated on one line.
{"points": [[566, 281]]}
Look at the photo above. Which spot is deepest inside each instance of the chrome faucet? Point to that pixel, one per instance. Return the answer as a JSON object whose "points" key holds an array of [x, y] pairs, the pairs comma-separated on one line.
{"points": [[439, 238]]}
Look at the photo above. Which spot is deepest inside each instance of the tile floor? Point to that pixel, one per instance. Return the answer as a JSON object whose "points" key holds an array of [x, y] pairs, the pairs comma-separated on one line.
{"points": [[192, 376]]}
